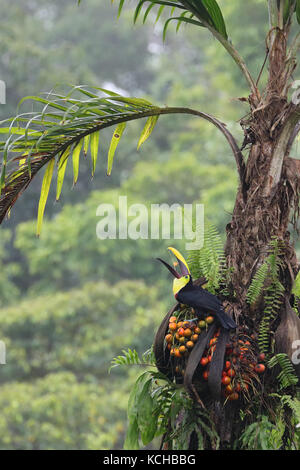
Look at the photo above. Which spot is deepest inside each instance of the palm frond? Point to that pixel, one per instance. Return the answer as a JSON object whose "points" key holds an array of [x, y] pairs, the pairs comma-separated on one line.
{"points": [[65, 126], [204, 13], [207, 13]]}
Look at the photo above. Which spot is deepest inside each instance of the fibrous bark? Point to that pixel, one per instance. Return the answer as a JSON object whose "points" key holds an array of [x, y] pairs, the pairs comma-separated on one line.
{"points": [[269, 195]]}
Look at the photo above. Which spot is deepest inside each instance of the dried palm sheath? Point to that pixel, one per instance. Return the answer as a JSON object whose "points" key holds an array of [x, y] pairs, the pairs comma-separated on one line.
{"points": [[162, 356], [196, 355], [217, 364], [288, 333]]}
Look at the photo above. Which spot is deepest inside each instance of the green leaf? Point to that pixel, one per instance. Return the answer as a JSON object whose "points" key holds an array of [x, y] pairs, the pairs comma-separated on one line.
{"points": [[197, 7], [298, 11], [286, 10], [133, 397], [44, 194], [147, 419], [148, 11], [86, 143], [147, 131], [160, 10], [180, 19], [216, 16], [62, 165], [76, 155], [121, 4], [296, 286], [94, 150], [113, 145], [4, 162], [132, 436]]}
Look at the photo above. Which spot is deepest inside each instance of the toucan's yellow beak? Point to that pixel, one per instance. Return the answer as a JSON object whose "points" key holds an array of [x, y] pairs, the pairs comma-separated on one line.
{"points": [[181, 261]]}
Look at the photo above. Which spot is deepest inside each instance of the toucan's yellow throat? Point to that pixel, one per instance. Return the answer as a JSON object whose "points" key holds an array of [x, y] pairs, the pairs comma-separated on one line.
{"points": [[180, 283]]}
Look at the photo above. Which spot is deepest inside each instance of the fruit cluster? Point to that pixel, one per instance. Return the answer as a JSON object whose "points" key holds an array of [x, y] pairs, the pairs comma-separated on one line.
{"points": [[242, 363], [182, 336], [240, 369]]}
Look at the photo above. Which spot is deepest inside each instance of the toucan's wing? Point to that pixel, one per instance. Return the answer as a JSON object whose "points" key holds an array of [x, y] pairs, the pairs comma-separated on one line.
{"points": [[199, 298], [203, 300]]}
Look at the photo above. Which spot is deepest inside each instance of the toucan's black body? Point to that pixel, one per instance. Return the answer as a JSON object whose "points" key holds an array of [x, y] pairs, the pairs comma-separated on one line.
{"points": [[203, 301]]}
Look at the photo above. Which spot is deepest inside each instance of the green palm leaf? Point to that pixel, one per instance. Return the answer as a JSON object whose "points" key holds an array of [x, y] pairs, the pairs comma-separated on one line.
{"points": [[44, 194], [113, 145], [203, 13], [76, 155], [298, 11], [216, 16], [147, 131], [62, 165], [94, 149], [72, 121], [207, 12]]}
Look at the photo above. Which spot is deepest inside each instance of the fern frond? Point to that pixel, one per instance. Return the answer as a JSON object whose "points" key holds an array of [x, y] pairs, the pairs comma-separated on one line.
{"points": [[266, 285], [257, 283], [294, 404], [259, 435], [268, 271], [131, 357], [287, 376], [273, 301], [210, 260]]}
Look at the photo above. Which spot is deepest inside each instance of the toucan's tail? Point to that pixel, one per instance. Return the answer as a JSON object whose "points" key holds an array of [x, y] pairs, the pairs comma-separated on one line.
{"points": [[225, 320]]}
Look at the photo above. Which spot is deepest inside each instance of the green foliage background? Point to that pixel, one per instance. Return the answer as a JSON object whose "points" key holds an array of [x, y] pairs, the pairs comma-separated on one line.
{"points": [[70, 302]]}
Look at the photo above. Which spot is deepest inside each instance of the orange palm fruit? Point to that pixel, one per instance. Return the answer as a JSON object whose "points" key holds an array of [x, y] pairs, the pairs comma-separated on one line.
{"points": [[173, 326], [209, 319], [188, 332], [169, 338]]}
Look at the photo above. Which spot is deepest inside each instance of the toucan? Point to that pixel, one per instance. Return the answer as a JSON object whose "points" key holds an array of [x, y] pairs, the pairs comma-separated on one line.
{"points": [[194, 296]]}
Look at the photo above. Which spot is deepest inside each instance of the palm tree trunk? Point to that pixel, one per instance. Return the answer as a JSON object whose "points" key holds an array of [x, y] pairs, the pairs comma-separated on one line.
{"points": [[267, 202], [258, 217], [269, 196]]}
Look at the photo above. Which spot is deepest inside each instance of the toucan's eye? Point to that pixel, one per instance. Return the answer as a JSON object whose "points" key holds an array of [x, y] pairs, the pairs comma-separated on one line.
{"points": [[186, 277]]}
